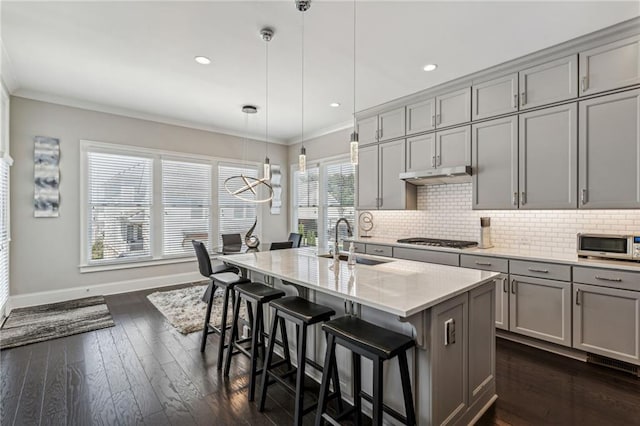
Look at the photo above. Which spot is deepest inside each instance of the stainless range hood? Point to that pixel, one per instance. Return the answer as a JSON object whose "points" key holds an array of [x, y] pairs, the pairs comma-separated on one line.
{"points": [[447, 175]]}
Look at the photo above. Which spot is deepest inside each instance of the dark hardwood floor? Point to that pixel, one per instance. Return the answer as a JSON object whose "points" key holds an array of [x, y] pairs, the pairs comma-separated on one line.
{"points": [[142, 371]]}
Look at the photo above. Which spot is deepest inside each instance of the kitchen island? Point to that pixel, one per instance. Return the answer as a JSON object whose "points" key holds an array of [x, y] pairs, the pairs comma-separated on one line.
{"points": [[448, 310]]}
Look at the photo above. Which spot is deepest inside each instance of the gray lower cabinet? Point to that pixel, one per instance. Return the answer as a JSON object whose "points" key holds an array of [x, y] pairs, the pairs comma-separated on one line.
{"points": [[609, 151], [502, 302], [453, 108], [453, 147], [495, 164], [482, 348], [495, 97], [553, 81], [606, 321], [421, 152], [421, 116], [419, 255], [501, 292], [548, 151], [450, 352], [368, 177], [610, 66], [540, 308]]}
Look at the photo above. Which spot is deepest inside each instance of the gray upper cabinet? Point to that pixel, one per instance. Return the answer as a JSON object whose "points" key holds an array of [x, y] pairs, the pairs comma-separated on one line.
{"points": [[453, 108], [495, 164], [421, 116], [550, 82], [392, 163], [610, 66], [368, 130], [391, 124], [549, 158], [541, 308], [609, 151], [368, 178], [606, 321], [495, 97], [421, 152], [453, 147]]}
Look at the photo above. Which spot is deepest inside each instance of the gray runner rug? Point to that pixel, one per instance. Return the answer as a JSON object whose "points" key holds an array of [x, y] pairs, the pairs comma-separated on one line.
{"points": [[39, 323]]}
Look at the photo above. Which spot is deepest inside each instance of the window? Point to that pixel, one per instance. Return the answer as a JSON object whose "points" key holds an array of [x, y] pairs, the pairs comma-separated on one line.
{"points": [[186, 197], [4, 233], [235, 216], [340, 189], [120, 199], [307, 205]]}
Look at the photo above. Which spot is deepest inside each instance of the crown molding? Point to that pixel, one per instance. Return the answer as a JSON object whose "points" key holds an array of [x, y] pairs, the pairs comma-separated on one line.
{"points": [[91, 106]]}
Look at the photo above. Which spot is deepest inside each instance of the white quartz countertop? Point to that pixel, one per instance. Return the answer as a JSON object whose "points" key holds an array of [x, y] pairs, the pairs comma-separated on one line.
{"points": [[399, 287], [515, 254]]}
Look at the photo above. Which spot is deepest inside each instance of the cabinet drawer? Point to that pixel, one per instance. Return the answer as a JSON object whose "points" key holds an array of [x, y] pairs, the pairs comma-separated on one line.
{"points": [[607, 278], [419, 255], [551, 271], [494, 264], [379, 250], [359, 247]]}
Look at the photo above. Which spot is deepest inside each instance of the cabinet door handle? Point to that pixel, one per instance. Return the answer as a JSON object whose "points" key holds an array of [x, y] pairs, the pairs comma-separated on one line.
{"points": [[438, 161], [433, 120], [523, 98], [381, 132], [513, 286], [505, 287], [449, 332], [483, 263], [378, 251], [515, 101], [584, 84], [433, 161], [615, 280], [523, 198], [583, 196], [578, 297], [439, 118], [543, 271], [515, 199]]}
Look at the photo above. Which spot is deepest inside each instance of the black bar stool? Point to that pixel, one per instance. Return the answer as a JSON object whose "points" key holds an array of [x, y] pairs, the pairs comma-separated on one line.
{"points": [[253, 294], [377, 344], [220, 276], [302, 313]]}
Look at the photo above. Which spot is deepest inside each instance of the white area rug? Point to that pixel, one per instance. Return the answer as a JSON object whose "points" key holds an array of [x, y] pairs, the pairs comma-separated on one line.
{"points": [[185, 310]]}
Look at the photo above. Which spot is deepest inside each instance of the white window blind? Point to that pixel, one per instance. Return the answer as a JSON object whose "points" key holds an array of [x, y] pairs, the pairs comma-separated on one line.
{"points": [[307, 205], [4, 231], [340, 188], [235, 216], [120, 199], [186, 200]]}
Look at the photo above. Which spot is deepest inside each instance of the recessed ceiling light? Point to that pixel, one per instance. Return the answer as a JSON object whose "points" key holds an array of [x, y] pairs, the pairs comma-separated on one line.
{"points": [[203, 60], [334, 104], [430, 67]]}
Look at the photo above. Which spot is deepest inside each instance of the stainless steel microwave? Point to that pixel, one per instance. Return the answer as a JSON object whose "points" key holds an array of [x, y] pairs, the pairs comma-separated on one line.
{"points": [[624, 247]]}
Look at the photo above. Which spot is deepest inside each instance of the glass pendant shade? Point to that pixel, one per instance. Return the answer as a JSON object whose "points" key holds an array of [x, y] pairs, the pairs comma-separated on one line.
{"points": [[267, 169], [353, 148], [302, 160]]}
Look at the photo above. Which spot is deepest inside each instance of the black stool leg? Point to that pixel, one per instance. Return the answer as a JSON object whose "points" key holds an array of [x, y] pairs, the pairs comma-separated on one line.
{"points": [[285, 342], [255, 332], [406, 389], [378, 390], [302, 360], [234, 335], [207, 317], [336, 383], [223, 327], [327, 371], [357, 384], [267, 362]]}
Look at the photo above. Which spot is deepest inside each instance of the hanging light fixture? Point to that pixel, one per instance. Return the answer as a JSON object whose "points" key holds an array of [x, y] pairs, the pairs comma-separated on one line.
{"points": [[267, 35], [302, 6], [353, 144]]}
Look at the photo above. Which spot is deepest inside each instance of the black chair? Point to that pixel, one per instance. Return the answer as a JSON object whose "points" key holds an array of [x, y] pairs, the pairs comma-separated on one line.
{"points": [[222, 276], [231, 243], [377, 344], [296, 239], [281, 245], [302, 313]]}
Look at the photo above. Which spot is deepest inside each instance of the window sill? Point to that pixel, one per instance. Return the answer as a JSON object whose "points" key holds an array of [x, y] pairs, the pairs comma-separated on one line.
{"points": [[129, 265]]}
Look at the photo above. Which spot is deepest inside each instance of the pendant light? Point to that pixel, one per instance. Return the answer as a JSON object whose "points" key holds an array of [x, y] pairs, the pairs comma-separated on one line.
{"points": [[267, 35], [353, 143], [302, 6]]}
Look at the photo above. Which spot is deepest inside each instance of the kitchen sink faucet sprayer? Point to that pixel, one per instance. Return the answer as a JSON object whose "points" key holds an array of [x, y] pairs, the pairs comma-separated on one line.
{"points": [[336, 243]]}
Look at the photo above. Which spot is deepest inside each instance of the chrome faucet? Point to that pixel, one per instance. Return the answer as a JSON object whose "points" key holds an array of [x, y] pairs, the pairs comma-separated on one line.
{"points": [[349, 232]]}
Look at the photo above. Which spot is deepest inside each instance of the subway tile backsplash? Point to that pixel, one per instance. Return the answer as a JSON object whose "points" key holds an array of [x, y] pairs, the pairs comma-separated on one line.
{"points": [[444, 211]]}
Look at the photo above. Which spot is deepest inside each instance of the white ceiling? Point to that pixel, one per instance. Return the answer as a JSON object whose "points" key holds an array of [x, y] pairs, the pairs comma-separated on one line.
{"points": [[138, 56]]}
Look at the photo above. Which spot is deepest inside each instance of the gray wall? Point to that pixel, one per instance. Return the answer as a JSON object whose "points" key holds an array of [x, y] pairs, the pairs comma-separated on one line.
{"points": [[329, 145], [45, 252]]}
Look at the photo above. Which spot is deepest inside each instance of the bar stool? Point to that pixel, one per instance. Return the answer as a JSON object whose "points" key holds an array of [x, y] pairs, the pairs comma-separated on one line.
{"points": [[253, 294], [302, 313], [377, 344], [221, 276]]}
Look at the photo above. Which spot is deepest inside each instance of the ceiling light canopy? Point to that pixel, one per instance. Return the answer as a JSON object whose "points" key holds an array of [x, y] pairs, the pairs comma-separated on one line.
{"points": [[430, 67], [202, 60]]}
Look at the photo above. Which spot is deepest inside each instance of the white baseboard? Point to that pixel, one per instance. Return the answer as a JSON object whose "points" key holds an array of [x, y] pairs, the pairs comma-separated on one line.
{"points": [[44, 297]]}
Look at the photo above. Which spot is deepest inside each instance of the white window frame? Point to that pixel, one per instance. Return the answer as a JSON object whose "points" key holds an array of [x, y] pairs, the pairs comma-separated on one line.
{"points": [[156, 225], [6, 158]]}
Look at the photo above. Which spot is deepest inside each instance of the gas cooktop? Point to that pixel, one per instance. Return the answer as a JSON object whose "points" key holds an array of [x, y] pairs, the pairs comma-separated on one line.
{"points": [[435, 242]]}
